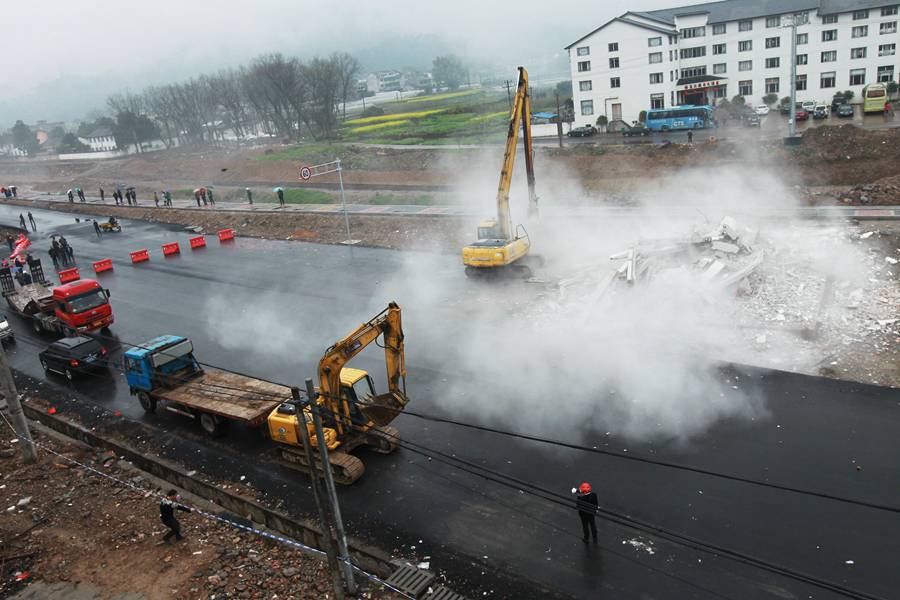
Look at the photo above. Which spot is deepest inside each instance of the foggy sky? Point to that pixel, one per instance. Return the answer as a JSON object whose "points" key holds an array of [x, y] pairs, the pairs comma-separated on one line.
{"points": [[83, 48]]}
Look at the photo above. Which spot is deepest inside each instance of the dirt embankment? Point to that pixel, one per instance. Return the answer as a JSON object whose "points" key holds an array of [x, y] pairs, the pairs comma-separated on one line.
{"points": [[63, 526]]}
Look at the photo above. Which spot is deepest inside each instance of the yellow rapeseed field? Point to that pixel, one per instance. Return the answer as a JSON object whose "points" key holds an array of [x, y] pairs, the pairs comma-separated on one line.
{"points": [[382, 118], [375, 126], [490, 116], [440, 96]]}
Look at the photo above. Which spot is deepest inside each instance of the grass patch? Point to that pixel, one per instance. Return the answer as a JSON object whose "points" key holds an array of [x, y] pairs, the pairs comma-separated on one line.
{"points": [[377, 126], [489, 116], [394, 117], [437, 97], [383, 199], [304, 196], [303, 151]]}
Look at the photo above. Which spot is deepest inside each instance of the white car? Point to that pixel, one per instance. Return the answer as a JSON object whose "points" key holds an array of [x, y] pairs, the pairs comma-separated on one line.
{"points": [[762, 110], [809, 106]]}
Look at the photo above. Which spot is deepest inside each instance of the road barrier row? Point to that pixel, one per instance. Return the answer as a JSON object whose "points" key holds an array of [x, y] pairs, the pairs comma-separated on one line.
{"points": [[143, 255]]}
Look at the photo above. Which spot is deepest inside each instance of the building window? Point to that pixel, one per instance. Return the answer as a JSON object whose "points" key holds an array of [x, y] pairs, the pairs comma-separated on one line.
{"points": [[614, 82], [657, 100], [655, 57], [587, 107], [720, 92], [858, 52], [654, 41], [773, 22], [858, 15], [745, 88], [719, 68], [745, 65], [773, 42], [829, 56], [745, 46], [614, 62], [829, 19], [773, 62], [693, 72], [719, 29], [860, 31], [718, 48], [857, 76], [695, 52], [672, 40], [802, 38], [583, 51], [827, 80], [888, 27], [887, 11], [745, 25], [887, 49], [829, 35], [886, 73], [692, 32], [585, 86], [800, 83], [584, 65], [656, 77], [802, 59], [772, 85]]}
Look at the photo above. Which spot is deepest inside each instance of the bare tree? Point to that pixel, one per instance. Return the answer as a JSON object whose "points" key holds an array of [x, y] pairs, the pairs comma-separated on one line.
{"points": [[348, 68]]}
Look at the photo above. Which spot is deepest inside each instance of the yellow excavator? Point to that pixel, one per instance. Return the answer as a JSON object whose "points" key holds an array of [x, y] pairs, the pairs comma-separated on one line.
{"points": [[498, 249], [353, 414]]}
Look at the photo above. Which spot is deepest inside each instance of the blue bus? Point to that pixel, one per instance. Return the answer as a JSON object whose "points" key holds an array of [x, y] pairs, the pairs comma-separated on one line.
{"points": [[679, 117]]}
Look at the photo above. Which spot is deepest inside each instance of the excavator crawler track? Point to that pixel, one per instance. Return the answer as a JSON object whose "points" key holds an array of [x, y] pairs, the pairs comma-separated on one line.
{"points": [[345, 468], [384, 439]]}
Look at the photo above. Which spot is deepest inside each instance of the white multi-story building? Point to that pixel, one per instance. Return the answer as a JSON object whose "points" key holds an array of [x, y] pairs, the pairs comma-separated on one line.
{"points": [[699, 53]]}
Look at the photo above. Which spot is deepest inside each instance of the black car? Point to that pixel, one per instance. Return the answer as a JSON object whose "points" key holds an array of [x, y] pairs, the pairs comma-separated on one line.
{"points": [[585, 131], [750, 119], [636, 129], [72, 355], [845, 110], [6, 334]]}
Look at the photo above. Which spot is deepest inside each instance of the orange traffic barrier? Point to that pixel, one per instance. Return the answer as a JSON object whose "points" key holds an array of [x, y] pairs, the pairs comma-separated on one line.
{"points": [[226, 234], [103, 265], [171, 248], [67, 275], [198, 242], [140, 255]]}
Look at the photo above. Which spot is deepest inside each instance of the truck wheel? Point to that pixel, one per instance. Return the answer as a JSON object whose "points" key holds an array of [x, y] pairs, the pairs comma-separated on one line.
{"points": [[68, 374], [147, 403], [211, 424]]}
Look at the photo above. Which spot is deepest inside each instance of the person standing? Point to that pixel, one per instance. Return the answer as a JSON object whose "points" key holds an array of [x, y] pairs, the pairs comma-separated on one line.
{"points": [[280, 193], [168, 196], [210, 195], [10, 242], [54, 254], [586, 503], [24, 226], [156, 199], [249, 196], [102, 195], [80, 193], [31, 220], [71, 196], [203, 196], [690, 137], [14, 190], [60, 253], [197, 197], [167, 507], [97, 228]]}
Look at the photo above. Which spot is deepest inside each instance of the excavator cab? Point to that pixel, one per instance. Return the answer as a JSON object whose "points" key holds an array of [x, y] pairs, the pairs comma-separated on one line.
{"points": [[489, 230]]}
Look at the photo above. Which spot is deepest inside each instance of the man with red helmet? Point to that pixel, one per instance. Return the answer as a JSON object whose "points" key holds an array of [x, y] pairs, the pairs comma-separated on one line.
{"points": [[586, 503]]}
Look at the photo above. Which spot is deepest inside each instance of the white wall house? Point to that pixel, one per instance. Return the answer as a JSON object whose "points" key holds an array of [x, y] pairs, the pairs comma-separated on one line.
{"points": [[696, 54], [100, 140]]}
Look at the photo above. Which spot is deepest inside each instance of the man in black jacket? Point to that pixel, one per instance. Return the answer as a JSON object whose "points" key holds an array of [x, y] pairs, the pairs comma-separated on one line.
{"points": [[167, 507], [586, 503]]}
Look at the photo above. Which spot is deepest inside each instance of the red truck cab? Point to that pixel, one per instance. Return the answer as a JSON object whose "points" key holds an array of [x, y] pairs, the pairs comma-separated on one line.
{"points": [[83, 305]]}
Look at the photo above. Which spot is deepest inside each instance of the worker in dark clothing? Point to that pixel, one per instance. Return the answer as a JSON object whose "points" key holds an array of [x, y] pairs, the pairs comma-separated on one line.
{"points": [[690, 137], [71, 196], [80, 193], [197, 197], [280, 193], [211, 201], [31, 220], [14, 190], [54, 255], [168, 196], [249, 196], [102, 195], [167, 507], [10, 242], [97, 228], [156, 199], [68, 255], [22, 221], [586, 503]]}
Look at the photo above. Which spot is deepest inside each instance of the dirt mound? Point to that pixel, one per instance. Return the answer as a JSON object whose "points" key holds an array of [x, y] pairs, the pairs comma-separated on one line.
{"points": [[884, 192]]}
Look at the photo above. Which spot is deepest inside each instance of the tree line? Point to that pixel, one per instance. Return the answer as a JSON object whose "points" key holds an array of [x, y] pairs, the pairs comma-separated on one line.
{"points": [[274, 94]]}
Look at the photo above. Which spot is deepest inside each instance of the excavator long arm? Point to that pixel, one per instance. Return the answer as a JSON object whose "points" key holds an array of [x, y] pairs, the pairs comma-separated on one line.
{"points": [[386, 324], [521, 114]]}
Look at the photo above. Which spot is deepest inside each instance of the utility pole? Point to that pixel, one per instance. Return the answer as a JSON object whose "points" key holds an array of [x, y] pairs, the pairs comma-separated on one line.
{"points": [[509, 93], [332, 492], [791, 24], [8, 387], [303, 433], [558, 121]]}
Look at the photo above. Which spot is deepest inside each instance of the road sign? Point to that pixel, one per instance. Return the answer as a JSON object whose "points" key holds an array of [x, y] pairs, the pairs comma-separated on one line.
{"points": [[305, 173]]}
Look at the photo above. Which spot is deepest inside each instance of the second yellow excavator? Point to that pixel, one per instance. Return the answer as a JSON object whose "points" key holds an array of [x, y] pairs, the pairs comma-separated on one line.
{"points": [[498, 249], [353, 414]]}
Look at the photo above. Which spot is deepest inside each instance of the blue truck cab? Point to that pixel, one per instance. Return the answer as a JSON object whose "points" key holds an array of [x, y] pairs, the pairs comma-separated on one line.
{"points": [[163, 361]]}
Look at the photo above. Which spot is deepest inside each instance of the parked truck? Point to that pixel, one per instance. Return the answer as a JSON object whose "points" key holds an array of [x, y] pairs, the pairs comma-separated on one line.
{"points": [[74, 307], [164, 372]]}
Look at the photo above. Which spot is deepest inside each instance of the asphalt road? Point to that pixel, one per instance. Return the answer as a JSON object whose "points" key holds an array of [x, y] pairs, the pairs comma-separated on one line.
{"points": [[270, 308]]}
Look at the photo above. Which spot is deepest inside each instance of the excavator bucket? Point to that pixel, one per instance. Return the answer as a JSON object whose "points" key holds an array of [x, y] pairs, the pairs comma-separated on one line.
{"points": [[384, 408]]}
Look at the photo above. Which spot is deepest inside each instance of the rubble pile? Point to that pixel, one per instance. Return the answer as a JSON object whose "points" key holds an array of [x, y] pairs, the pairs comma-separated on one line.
{"points": [[884, 192]]}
